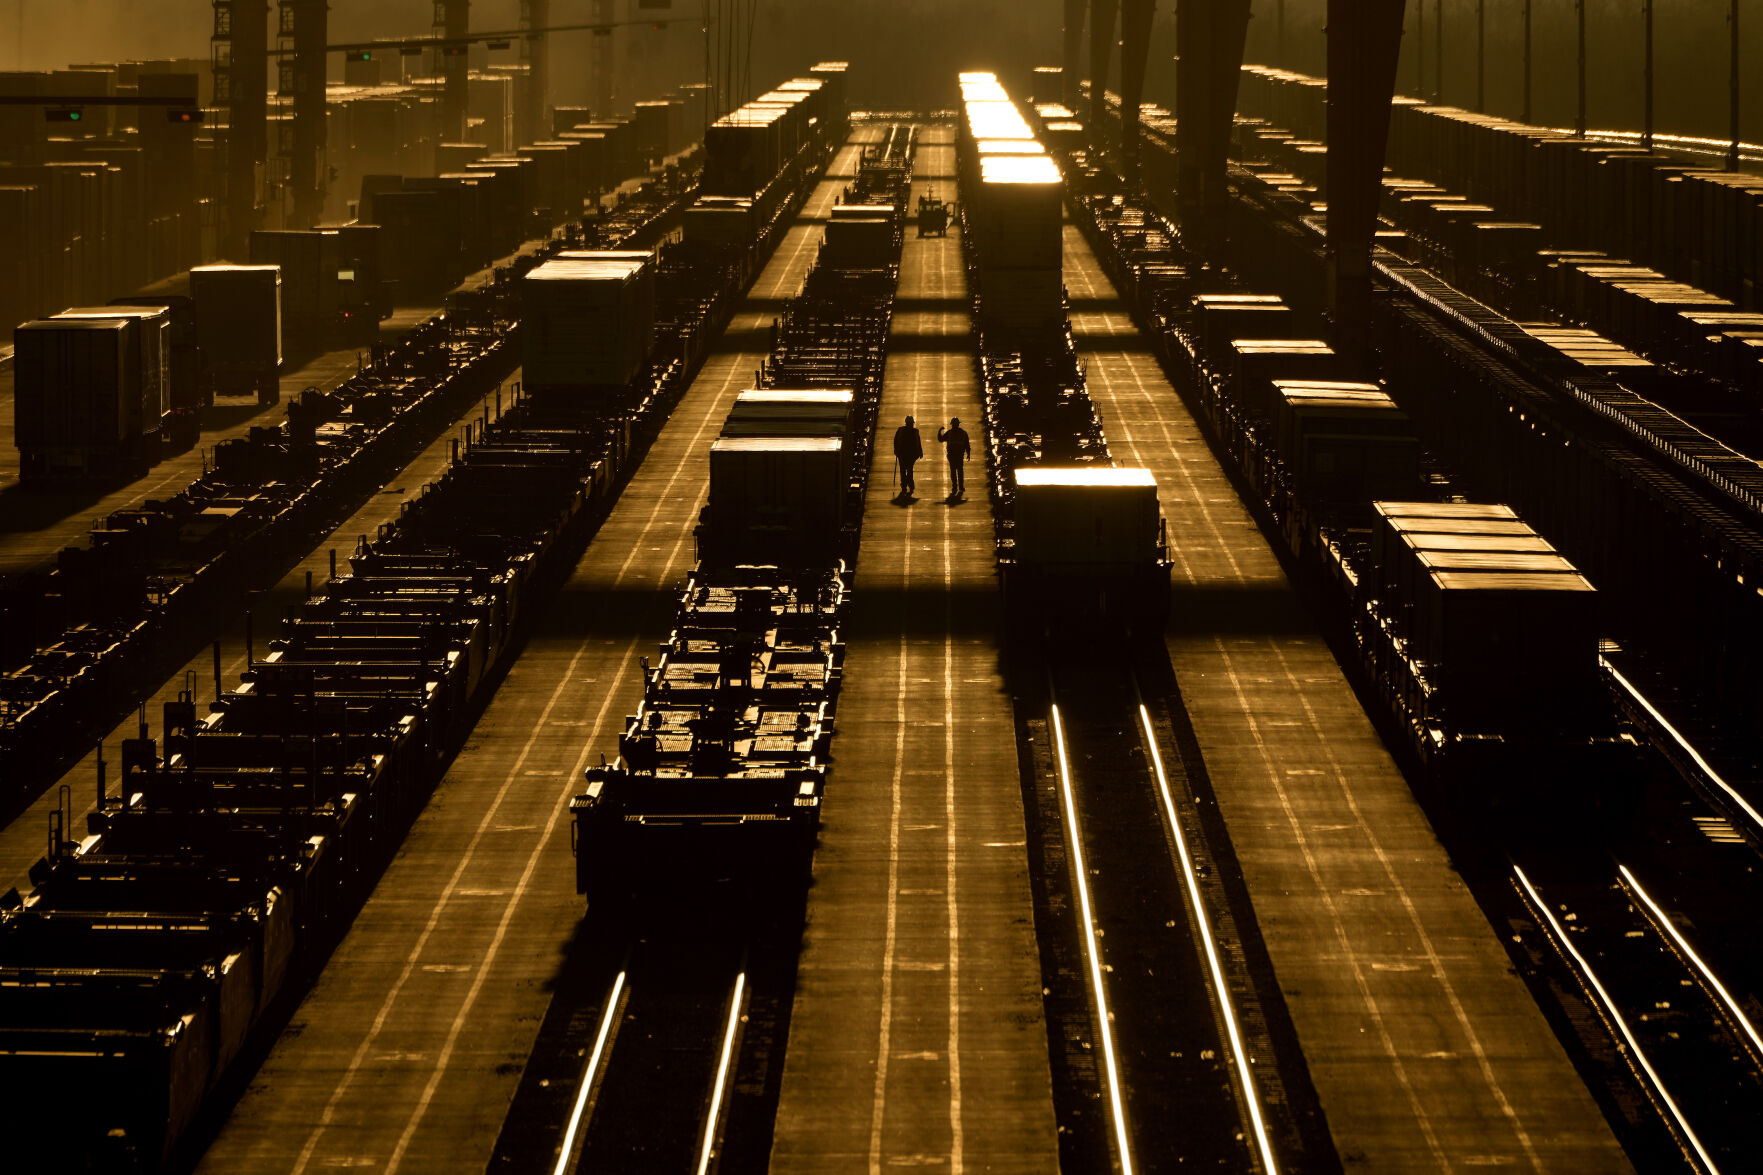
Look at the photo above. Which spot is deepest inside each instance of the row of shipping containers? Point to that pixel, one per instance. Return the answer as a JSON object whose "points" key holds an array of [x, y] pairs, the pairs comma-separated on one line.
{"points": [[1014, 209], [482, 203], [102, 391], [1702, 225], [114, 201]]}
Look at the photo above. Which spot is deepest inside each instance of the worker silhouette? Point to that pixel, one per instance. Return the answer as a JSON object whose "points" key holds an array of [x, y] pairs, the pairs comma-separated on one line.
{"points": [[955, 445], [908, 448]]}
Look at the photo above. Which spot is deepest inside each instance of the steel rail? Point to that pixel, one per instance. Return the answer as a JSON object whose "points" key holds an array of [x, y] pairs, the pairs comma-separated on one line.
{"points": [[1628, 1044]]}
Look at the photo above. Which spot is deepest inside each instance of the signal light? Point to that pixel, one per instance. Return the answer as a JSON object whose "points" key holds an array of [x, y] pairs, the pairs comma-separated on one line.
{"points": [[454, 51], [184, 116], [64, 114], [358, 55]]}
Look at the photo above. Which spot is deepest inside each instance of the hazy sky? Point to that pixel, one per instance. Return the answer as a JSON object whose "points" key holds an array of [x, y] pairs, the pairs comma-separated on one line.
{"points": [[902, 49]]}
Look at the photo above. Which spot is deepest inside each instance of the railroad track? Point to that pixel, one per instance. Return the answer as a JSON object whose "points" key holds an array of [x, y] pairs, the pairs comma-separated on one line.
{"points": [[655, 1055], [1687, 1040], [1172, 1011], [654, 1092]]}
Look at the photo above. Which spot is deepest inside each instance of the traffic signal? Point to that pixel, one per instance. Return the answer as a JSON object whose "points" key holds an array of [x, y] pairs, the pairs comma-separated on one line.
{"points": [[455, 51], [498, 45], [64, 114], [183, 116], [358, 55]]}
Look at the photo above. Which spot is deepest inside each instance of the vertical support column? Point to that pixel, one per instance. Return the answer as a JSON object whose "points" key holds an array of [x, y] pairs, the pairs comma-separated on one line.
{"points": [[1438, 50], [1102, 20], [536, 14], [602, 63], [1481, 56], [1072, 60], [453, 17], [1209, 39], [1364, 44], [1579, 122], [303, 33], [1420, 49], [1732, 151], [1135, 48], [240, 54], [1647, 71], [1526, 115]]}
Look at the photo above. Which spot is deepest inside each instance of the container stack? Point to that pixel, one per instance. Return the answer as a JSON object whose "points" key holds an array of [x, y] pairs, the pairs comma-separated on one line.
{"points": [[1224, 317], [587, 320], [1014, 214], [79, 391], [1494, 626], [860, 236], [1088, 519], [151, 328], [1343, 441], [809, 412], [1256, 363]]}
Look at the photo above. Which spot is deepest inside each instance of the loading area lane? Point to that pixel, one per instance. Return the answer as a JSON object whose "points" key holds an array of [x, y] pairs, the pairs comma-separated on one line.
{"points": [[917, 1037], [1426, 1051]]}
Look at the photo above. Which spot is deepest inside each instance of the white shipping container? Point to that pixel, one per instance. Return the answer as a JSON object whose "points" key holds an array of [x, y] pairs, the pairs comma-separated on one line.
{"points": [[587, 320], [1091, 516]]}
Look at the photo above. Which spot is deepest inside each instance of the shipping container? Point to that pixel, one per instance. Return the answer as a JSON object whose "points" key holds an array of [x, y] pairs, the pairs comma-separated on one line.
{"points": [[77, 398], [587, 320], [1087, 518], [239, 328], [860, 236], [151, 329], [184, 364], [774, 500]]}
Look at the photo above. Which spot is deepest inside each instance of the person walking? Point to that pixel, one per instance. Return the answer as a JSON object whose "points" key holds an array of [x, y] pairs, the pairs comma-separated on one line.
{"points": [[908, 448], [955, 445]]}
